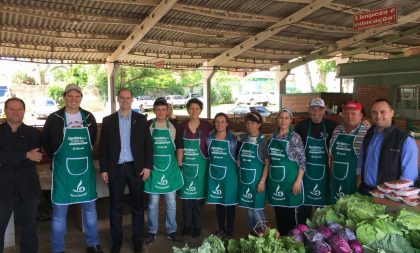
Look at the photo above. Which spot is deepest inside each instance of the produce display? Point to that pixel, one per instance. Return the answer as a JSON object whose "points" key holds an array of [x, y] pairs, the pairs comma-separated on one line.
{"points": [[353, 225], [269, 242], [373, 227]]}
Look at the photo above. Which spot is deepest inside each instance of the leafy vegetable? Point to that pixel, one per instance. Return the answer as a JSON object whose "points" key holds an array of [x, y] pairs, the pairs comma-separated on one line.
{"points": [[211, 244], [325, 231], [269, 242], [302, 227], [321, 247], [356, 246], [339, 244], [390, 243], [368, 232]]}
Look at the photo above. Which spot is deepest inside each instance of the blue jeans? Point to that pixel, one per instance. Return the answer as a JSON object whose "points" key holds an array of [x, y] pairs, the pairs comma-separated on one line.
{"points": [[256, 220], [59, 225], [153, 212]]}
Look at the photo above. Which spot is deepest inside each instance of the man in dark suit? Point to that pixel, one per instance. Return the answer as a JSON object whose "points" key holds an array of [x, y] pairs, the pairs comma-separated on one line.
{"points": [[126, 158], [19, 184]]}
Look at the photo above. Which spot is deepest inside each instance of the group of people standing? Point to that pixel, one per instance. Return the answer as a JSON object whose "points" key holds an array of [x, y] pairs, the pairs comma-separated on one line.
{"points": [[294, 170]]}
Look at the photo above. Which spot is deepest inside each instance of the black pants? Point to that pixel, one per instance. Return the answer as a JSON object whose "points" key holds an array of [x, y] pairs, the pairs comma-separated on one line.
{"points": [[304, 213], [286, 219], [26, 211], [193, 212], [126, 175], [225, 213]]}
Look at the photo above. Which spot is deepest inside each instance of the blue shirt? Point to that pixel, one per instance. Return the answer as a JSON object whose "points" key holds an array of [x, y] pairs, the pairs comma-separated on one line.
{"points": [[125, 134], [409, 159]]}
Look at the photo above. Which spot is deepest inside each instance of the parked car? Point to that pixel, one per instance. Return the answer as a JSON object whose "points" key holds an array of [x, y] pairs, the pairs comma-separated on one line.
{"points": [[176, 100], [145, 102], [252, 98], [194, 95], [4, 95], [42, 107], [241, 110]]}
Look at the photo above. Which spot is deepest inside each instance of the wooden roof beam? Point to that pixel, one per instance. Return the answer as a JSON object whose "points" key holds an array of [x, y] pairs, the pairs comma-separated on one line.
{"points": [[141, 30], [272, 30], [341, 44], [390, 39]]}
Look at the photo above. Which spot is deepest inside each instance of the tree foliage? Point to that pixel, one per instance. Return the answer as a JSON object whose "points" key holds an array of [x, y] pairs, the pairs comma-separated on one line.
{"points": [[55, 92], [321, 87], [190, 79], [324, 67], [20, 77]]}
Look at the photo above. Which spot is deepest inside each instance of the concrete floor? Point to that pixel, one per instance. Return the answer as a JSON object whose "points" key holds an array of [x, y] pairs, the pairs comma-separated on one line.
{"points": [[75, 240]]}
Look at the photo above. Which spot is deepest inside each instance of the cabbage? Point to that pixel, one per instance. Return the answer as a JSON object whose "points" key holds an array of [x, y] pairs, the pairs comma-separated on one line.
{"points": [[325, 231], [302, 227], [334, 227], [321, 247], [356, 246], [299, 238], [347, 234], [295, 231], [339, 245], [312, 235]]}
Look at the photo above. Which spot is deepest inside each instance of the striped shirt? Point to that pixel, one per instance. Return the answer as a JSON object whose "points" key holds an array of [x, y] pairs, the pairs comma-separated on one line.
{"points": [[357, 144]]}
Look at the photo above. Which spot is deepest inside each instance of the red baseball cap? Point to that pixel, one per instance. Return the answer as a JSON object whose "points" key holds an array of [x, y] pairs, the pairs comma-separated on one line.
{"points": [[352, 105]]}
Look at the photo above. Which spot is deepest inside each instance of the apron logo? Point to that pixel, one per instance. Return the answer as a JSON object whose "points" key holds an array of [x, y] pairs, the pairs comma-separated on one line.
{"points": [[217, 191], [247, 194], [163, 181], [278, 193], [80, 188], [191, 188], [340, 192], [315, 191]]}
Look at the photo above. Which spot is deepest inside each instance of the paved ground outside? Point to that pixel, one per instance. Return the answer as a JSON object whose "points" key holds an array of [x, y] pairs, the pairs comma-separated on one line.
{"points": [[75, 240]]}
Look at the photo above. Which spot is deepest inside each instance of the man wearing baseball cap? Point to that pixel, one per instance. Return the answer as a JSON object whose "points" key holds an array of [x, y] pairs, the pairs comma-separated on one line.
{"points": [[316, 133], [345, 148], [68, 137]]}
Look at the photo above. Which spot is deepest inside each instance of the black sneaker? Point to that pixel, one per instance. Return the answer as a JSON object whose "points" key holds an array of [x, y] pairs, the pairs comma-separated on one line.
{"points": [[149, 238], [174, 237], [186, 231]]}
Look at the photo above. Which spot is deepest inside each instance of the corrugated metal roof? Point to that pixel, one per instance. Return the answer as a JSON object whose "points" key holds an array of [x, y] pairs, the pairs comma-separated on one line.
{"points": [[195, 31]]}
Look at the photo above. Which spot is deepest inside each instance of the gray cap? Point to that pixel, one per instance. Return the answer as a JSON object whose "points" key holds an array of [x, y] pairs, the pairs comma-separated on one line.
{"points": [[317, 102], [71, 87]]}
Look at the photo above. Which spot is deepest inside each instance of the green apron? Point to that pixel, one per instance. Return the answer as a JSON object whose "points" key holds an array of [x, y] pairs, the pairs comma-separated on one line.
{"points": [[282, 175], [344, 164], [166, 175], [73, 171], [223, 174], [315, 179], [194, 170], [250, 171]]}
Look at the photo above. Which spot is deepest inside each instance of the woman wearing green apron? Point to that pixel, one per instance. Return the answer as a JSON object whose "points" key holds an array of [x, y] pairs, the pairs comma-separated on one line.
{"points": [[223, 173], [287, 167], [253, 168], [192, 158], [165, 178]]}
